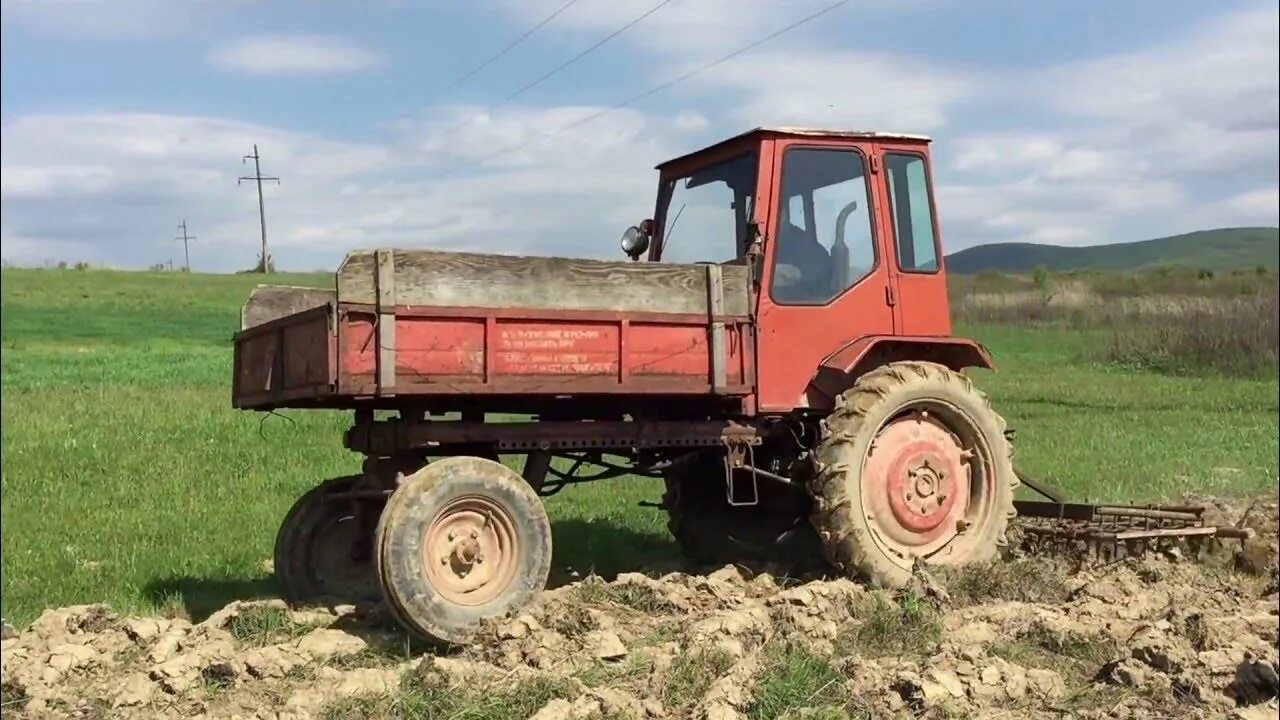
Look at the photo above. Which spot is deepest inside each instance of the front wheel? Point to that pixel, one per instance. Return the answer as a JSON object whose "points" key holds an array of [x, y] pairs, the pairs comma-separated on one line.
{"points": [[913, 465], [461, 540], [318, 547]]}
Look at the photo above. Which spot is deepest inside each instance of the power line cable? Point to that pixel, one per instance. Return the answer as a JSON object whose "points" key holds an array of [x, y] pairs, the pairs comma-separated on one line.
{"points": [[662, 86], [559, 68], [509, 47]]}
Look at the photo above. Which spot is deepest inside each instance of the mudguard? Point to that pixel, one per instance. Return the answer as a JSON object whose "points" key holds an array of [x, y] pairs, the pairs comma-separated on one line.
{"points": [[842, 368]]}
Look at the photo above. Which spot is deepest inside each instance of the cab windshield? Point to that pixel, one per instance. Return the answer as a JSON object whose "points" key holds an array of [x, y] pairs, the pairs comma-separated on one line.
{"points": [[704, 217]]}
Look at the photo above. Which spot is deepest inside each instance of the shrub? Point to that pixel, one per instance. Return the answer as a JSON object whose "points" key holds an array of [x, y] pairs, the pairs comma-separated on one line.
{"points": [[1233, 336]]}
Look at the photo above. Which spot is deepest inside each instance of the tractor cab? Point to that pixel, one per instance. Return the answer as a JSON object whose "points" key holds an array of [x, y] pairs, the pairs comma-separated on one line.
{"points": [[838, 227]]}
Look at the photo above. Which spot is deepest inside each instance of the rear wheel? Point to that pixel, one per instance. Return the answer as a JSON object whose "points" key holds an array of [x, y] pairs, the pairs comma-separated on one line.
{"points": [[461, 540], [913, 464], [322, 548]]}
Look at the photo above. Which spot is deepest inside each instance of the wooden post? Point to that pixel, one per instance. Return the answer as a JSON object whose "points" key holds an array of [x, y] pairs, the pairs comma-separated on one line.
{"points": [[715, 315], [385, 332]]}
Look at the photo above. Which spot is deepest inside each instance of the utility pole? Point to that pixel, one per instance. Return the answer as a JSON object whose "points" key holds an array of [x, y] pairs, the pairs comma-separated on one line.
{"points": [[185, 238], [258, 177]]}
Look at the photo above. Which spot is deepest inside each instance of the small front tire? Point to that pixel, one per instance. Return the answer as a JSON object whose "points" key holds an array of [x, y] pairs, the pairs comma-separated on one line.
{"points": [[313, 555], [461, 540]]}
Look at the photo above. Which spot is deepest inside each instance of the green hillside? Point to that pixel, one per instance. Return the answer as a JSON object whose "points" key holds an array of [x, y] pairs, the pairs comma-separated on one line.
{"points": [[1221, 249]]}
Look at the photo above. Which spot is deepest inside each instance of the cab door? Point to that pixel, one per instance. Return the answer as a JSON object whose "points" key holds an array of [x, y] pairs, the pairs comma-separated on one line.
{"points": [[907, 213], [825, 280]]}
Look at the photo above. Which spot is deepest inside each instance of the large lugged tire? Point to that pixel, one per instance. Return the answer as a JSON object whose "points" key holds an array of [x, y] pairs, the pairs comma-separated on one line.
{"points": [[313, 549], [913, 464], [709, 531], [461, 540]]}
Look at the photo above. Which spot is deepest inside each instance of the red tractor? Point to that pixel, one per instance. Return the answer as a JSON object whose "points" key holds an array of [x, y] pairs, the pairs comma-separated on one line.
{"points": [[782, 357]]}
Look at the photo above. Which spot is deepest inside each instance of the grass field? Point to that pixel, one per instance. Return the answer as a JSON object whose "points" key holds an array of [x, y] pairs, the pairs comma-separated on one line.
{"points": [[127, 477]]}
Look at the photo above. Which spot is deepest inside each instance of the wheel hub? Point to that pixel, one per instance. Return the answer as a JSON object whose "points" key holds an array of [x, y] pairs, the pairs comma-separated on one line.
{"points": [[915, 485], [470, 551]]}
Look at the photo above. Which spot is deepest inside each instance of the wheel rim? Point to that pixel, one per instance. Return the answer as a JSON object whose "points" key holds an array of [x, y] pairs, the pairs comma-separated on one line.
{"points": [[927, 485], [470, 551]]}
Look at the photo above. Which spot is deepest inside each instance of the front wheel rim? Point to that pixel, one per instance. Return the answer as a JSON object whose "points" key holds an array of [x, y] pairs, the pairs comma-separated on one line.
{"points": [[470, 551], [927, 485]]}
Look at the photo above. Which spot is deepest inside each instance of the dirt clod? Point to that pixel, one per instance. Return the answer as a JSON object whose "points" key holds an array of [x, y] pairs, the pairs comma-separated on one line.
{"points": [[1152, 637]]}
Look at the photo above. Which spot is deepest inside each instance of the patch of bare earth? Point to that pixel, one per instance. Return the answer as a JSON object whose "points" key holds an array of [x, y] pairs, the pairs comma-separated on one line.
{"points": [[1156, 637]]}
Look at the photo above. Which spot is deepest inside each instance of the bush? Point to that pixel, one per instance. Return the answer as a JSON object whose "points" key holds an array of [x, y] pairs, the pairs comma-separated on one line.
{"points": [[1233, 336]]}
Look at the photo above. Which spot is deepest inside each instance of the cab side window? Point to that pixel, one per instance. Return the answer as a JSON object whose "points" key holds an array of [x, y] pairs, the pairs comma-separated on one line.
{"points": [[825, 242], [913, 234]]}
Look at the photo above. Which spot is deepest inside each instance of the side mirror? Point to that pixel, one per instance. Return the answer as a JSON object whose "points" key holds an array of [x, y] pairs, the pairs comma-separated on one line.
{"points": [[635, 241]]}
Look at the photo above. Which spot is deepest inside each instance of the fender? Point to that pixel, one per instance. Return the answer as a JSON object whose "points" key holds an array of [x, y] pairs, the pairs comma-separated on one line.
{"points": [[842, 368]]}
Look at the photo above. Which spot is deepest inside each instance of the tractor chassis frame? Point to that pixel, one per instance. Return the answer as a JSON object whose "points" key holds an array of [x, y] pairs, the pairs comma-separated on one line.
{"points": [[398, 446]]}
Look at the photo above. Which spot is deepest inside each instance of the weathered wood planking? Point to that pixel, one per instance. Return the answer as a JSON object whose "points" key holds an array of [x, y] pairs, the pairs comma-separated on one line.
{"points": [[453, 279], [269, 302]]}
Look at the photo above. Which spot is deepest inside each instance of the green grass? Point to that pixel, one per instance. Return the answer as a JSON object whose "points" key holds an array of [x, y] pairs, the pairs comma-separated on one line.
{"points": [[796, 677], [906, 626], [127, 477], [1221, 249], [1032, 579], [419, 700], [261, 626], [692, 674], [637, 597]]}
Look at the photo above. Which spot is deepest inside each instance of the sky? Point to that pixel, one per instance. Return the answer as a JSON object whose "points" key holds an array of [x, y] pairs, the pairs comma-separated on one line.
{"points": [[1069, 123]]}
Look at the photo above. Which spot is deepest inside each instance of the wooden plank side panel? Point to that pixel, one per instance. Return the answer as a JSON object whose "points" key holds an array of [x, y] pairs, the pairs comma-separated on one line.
{"points": [[450, 355], [306, 355], [661, 349], [289, 357], [425, 348], [256, 365], [271, 302], [448, 279], [545, 348]]}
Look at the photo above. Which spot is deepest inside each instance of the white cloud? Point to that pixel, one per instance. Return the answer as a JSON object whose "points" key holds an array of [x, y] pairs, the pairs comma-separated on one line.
{"points": [[789, 87], [571, 195], [1262, 204], [294, 55], [1189, 140], [1166, 139]]}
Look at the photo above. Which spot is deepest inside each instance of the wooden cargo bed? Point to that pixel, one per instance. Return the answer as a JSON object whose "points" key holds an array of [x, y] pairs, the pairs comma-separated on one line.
{"points": [[405, 324]]}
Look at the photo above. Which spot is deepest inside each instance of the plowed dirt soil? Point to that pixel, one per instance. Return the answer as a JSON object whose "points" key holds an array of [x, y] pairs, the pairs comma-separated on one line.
{"points": [[1160, 636]]}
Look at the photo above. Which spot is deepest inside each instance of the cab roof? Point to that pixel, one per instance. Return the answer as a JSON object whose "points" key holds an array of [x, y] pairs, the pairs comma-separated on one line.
{"points": [[800, 132]]}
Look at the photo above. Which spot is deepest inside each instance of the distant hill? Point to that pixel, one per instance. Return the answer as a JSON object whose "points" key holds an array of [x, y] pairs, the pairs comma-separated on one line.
{"points": [[1222, 249]]}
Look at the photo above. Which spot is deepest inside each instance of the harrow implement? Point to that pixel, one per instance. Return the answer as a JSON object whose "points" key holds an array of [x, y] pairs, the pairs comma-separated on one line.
{"points": [[1113, 531]]}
